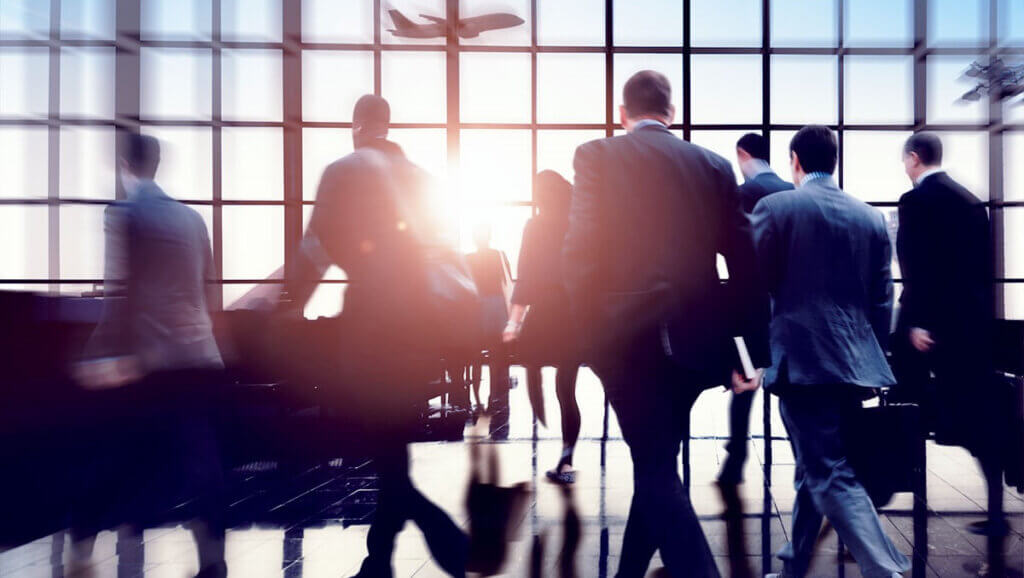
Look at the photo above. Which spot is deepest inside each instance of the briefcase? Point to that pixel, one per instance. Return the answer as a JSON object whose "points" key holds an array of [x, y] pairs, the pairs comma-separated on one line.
{"points": [[885, 446]]}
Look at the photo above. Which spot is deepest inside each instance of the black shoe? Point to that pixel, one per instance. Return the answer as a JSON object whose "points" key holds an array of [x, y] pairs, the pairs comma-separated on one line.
{"points": [[992, 529], [218, 570], [371, 570]]}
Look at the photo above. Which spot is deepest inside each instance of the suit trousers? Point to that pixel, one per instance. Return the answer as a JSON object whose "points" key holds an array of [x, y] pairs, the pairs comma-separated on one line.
{"points": [[739, 430], [652, 398], [815, 417]]}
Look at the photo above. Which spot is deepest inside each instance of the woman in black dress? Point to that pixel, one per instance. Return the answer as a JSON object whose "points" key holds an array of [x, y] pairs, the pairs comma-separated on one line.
{"points": [[547, 335]]}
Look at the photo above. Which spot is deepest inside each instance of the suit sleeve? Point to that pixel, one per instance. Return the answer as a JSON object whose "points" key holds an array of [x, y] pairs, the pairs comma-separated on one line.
{"points": [[525, 292], [312, 259], [111, 333], [209, 270], [766, 242], [911, 249], [746, 289], [581, 250], [881, 286]]}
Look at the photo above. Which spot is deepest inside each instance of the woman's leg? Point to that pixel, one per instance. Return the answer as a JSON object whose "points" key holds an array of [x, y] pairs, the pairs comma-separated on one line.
{"points": [[565, 388]]}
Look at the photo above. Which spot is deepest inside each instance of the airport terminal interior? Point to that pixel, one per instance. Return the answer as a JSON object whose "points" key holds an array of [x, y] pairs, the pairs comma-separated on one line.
{"points": [[252, 99]]}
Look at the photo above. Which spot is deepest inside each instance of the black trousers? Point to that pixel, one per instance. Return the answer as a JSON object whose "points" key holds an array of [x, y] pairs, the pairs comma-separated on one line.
{"points": [[739, 430], [652, 398]]}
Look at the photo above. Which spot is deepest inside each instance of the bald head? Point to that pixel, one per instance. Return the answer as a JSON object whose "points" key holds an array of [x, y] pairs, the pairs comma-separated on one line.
{"points": [[647, 95], [370, 119]]}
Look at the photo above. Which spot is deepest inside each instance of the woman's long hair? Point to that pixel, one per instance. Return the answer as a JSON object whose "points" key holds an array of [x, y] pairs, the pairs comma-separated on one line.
{"points": [[553, 195]]}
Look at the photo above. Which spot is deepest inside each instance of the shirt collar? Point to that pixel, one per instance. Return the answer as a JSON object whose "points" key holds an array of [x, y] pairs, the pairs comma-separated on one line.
{"points": [[646, 123], [814, 176], [927, 174], [754, 168]]}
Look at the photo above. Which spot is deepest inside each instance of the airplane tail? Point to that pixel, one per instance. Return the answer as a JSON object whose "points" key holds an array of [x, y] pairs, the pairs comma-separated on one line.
{"points": [[400, 21]]}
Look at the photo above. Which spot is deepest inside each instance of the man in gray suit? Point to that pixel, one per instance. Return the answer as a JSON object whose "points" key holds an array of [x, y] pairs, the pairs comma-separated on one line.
{"points": [[825, 258], [150, 365]]}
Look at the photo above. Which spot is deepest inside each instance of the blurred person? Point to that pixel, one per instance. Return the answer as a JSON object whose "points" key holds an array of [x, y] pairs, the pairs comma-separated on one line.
{"points": [[759, 182], [492, 273], [946, 313], [372, 219], [151, 363], [540, 318], [649, 213], [826, 262]]}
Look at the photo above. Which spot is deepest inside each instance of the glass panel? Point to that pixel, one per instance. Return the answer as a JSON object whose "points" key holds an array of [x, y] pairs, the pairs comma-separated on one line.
{"points": [[648, 23], [722, 142], [321, 147], [24, 19], [495, 167], [495, 87], [556, 149], [87, 82], [81, 241], [186, 161], [865, 104], [571, 88], [804, 89], [479, 22], [426, 71], [332, 82], [1013, 242], [176, 19], [506, 229], [570, 23], [803, 23], [333, 21], [957, 22], [1013, 111], [417, 24], [1013, 151], [87, 162], [779, 141], [427, 147], [176, 83], [1011, 22], [876, 23], [1014, 300], [23, 162], [253, 164], [873, 165], [24, 76], [26, 243], [726, 88], [725, 23], [253, 241], [671, 65], [251, 85], [88, 19], [251, 20], [946, 85], [965, 158]]}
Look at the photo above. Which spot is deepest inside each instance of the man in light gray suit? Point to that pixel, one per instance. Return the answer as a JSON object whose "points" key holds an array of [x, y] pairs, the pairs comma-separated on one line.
{"points": [[151, 364], [826, 259]]}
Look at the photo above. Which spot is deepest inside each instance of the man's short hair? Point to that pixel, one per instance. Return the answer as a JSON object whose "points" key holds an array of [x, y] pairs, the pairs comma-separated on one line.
{"points": [[754, 144], [927, 146], [817, 149], [647, 93], [373, 114], [141, 154]]}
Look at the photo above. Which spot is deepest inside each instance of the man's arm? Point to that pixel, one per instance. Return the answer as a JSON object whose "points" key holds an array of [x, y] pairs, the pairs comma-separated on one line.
{"points": [[312, 259], [110, 336], [911, 247], [581, 251], [881, 285]]}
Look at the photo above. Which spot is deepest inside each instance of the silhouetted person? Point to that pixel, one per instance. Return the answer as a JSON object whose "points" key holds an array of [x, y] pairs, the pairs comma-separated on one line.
{"points": [[152, 363], [946, 314], [540, 318], [492, 273], [649, 214], [826, 259], [371, 219], [759, 182]]}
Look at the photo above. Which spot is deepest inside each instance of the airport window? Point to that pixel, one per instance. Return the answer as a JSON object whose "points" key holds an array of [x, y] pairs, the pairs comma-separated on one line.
{"points": [[252, 100]]}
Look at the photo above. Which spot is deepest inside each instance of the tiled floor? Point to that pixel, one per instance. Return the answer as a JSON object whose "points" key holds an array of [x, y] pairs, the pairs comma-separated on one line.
{"points": [[313, 524]]}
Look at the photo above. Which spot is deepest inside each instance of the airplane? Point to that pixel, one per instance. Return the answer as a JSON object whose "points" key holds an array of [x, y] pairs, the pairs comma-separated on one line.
{"points": [[438, 27]]}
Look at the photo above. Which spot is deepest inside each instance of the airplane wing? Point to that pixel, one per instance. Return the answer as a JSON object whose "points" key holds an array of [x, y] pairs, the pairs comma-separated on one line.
{"points": [[434, 19]]}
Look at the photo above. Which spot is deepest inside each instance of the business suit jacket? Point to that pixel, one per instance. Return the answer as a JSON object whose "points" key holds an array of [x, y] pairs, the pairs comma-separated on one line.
{"points": [[649, 214], [759, 187], [826, 258], [158, 268]]}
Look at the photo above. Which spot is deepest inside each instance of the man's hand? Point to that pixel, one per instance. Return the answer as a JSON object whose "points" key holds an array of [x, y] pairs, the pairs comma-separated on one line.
{"points": [[740, 383], [108, 373], [512, 332], [921, 339]]}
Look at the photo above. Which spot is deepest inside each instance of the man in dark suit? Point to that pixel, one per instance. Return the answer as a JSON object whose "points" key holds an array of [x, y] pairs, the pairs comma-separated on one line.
{"points": [[759, 182], [649, 213], [826, 258], [947, 310]]}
